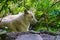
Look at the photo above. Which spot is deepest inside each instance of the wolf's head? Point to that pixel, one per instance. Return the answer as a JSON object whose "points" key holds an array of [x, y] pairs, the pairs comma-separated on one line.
{"points": [[30, 16]]}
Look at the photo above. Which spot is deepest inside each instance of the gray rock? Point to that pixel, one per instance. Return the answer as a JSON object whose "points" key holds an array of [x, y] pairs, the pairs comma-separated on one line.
{"points": [[29, 37]]}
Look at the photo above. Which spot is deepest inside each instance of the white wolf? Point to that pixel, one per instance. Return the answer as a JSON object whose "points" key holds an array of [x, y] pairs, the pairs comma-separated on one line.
{"points": [[19, 22]]}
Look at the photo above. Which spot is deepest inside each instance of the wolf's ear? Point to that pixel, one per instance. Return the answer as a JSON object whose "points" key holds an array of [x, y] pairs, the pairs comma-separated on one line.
{"points": [[25, 11]]}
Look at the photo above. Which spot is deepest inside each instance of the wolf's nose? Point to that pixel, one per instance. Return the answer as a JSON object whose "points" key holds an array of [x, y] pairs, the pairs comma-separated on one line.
{"points": [[37, 22]]}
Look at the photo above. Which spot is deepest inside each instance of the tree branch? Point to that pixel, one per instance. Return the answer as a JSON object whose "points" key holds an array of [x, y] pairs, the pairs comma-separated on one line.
{"points": [[54, 3]]}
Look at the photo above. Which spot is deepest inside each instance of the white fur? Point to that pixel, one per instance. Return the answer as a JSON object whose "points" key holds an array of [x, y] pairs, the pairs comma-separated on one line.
{"points": [[20, 21]]}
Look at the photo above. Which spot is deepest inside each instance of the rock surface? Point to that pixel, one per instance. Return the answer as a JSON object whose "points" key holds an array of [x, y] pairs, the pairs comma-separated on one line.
{"points": [[50, 37], [23, 36], [29, 36]]}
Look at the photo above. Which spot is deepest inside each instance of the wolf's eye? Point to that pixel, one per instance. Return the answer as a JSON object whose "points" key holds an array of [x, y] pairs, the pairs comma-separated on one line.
{"points": [[32, 16]]}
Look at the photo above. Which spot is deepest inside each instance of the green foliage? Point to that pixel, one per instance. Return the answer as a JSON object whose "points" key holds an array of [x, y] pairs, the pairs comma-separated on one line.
{"points": [[46, 13]]}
